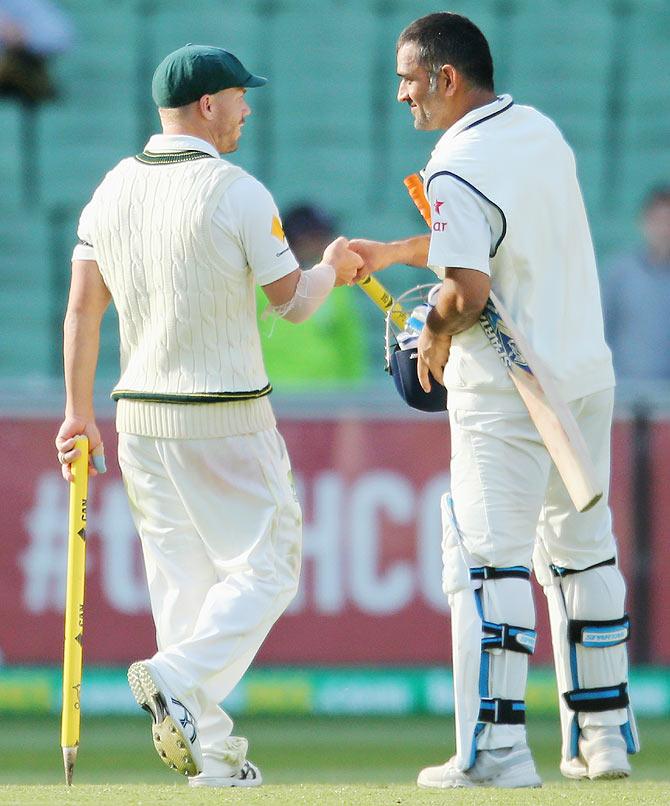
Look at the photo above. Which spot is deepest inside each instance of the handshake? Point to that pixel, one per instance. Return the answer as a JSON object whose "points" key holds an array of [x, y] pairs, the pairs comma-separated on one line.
{"points": [[351, 259]]}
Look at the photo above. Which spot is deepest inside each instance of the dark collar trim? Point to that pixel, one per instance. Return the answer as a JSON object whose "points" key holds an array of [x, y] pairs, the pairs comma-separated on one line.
{"points": [[190, 397], [155, 158], [479, 193], [488, 117]]}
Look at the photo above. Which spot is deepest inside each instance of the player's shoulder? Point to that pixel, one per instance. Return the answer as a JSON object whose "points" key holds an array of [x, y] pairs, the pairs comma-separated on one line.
{"points": [[541, 124], [116, 174], [532, 113], [246, 190]]}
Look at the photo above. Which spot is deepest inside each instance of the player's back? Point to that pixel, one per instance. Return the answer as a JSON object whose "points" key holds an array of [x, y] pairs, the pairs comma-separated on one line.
{"points": [[187, 319]]}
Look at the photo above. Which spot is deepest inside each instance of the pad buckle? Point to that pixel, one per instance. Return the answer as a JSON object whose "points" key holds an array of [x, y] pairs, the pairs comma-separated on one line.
{"points": [[502, 712], [489, 572], [507, 636]]}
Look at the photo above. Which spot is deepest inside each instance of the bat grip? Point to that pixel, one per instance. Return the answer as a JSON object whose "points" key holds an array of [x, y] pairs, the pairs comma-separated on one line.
{"points": [[414, 186]]}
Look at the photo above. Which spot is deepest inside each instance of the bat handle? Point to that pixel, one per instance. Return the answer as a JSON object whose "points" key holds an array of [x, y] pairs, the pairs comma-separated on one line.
{"points": [[414, 185]]}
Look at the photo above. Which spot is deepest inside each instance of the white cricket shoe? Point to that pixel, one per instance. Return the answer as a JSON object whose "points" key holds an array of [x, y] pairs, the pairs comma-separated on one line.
{"points": [[602, 755], [508, 768], [229, 766], [174, 731], [247, 775], [575, 768]]}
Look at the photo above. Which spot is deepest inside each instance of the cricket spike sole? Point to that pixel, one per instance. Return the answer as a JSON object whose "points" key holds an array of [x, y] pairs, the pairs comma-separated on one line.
{"points": [[172, 745]]}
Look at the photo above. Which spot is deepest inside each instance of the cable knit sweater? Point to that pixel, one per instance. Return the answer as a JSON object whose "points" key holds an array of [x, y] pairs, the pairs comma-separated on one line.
{"points": [[191, 361]]}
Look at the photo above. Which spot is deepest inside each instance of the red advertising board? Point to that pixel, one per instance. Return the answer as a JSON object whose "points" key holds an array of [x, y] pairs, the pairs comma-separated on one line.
{"points": [[371, 588]]}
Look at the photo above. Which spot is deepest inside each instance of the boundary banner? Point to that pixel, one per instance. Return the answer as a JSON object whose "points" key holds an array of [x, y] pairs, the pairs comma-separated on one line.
{"points": [[370, 590], [311, 691]]}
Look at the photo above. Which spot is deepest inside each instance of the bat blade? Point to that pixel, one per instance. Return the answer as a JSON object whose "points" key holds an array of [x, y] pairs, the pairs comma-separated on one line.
{"points": [[550, 414]]}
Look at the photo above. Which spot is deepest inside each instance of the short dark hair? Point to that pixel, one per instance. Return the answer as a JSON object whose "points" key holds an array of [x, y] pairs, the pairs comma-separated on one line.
{"points": [[657, 195], [446, 38]]}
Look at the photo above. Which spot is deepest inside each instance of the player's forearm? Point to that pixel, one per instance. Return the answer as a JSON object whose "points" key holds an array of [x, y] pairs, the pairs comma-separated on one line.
{"points": [[409, 251], [310, 292], [81, 342], [454, 311]]}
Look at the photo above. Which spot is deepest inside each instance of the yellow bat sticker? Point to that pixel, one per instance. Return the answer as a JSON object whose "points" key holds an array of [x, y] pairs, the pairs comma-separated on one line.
{"points": [[277, 230]]}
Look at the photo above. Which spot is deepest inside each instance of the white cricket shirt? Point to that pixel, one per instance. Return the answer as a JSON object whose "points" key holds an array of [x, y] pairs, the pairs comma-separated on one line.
{"points": [[505, 201]]}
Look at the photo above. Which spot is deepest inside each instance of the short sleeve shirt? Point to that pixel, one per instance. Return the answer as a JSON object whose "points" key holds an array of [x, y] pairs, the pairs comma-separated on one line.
{"points": [[466, 228]]}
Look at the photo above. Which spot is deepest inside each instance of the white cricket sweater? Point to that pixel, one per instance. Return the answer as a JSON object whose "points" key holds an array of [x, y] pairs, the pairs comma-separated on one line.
{"points": [[187, 321]]}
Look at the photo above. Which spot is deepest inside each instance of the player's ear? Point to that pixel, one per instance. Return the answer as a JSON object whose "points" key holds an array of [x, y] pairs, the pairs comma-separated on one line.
{"points": [[451, 77], [205, 106]]}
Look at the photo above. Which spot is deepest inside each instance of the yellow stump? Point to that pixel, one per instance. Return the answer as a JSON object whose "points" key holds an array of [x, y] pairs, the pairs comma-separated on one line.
{"points": [[74, 610]]}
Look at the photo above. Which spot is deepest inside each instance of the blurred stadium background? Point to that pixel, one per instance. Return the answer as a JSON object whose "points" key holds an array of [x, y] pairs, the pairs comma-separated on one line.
{"points": [[368, 634]]}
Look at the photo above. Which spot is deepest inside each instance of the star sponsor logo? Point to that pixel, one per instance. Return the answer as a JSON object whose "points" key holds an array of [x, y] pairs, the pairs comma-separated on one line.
{"points": [[437, 207]]}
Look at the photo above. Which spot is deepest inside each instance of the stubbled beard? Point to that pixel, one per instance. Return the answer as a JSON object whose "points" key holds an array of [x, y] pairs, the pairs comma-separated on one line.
{"points": [[421, 119]]}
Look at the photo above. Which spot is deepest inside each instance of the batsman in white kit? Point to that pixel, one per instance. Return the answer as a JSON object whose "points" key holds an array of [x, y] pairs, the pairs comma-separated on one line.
{"points": [[178, 237], [508, 217]]}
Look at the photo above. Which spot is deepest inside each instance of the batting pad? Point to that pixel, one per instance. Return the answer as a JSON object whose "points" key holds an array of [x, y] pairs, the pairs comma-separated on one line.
{"points": [[492, 621], [510, 602], [589, 630]]}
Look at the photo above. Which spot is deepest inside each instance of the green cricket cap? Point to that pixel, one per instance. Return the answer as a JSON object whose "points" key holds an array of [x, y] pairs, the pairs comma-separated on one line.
{"points": [[186, 74]]}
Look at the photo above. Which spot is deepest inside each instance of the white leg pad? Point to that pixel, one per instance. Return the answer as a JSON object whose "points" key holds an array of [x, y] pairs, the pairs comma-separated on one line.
{"points": [[495, 674], [595, 594], [506, 601], [466, 637], [466, 632]]}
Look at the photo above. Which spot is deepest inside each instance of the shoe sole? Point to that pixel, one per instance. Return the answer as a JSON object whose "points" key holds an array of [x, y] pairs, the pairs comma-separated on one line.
{"points": [[224, 782], [484, 785], [511, 782], [610, 775], [170, 742], [453, 785], [575, 776], [249, 775]]}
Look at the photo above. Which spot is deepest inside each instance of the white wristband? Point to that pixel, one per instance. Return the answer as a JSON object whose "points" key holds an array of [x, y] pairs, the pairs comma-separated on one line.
{"points": [[313, 287]]}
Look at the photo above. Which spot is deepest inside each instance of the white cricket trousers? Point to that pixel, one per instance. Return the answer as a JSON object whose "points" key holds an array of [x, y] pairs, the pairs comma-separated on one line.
{"points": [[507, 491], [221, 533], [512, 509]]}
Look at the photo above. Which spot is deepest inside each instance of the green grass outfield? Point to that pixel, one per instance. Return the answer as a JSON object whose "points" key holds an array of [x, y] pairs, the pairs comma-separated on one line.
{"points": [[304, 760]]}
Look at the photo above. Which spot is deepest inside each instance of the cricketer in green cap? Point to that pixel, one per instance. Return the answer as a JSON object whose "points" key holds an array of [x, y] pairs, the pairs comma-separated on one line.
{"points": [[186, 74]]}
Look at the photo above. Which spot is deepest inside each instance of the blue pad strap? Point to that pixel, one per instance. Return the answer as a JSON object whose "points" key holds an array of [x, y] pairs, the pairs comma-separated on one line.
{"points": [[502, 712], [604, 698], [594, 633], [488, 572], [506, 636]]}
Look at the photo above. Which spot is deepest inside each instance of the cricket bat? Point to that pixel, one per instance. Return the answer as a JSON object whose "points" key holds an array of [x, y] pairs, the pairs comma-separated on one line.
{"points": [[550, 414], [384, 300]]}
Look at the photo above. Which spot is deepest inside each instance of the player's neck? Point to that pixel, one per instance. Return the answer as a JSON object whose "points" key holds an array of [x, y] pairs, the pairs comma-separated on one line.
{"points": [[186, 130], [476, 98]]}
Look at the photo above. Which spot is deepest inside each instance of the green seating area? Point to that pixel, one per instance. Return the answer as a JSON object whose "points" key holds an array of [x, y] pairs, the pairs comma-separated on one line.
{"points": [[327, 127]]}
